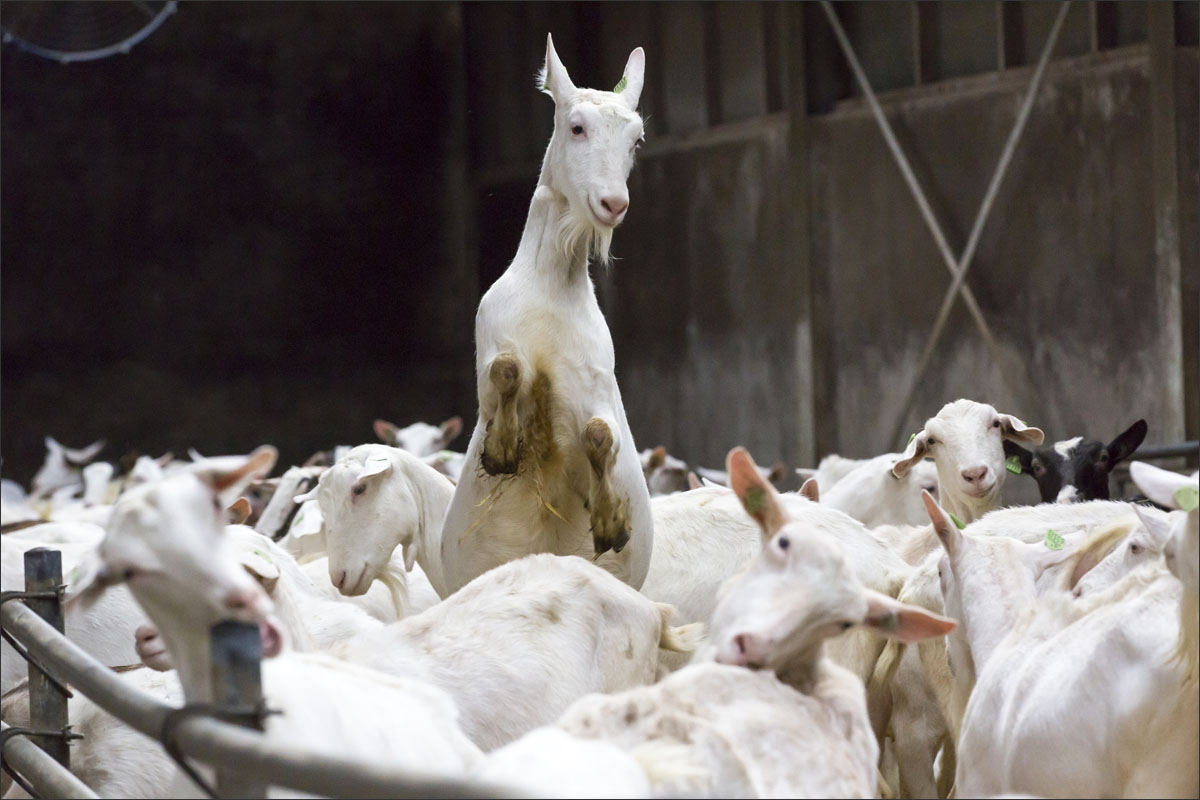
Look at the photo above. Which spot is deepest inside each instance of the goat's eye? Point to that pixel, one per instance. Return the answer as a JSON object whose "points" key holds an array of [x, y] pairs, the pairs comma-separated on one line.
{"points": [[129, 573], [846, 625], [577, 130], [359, 488], [1038, 469], [931, 441], [995, 423], [784, 543], [1135, 548]]}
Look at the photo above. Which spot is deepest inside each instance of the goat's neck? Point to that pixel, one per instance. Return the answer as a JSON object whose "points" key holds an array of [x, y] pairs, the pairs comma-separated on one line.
{"points": [[191, 653], [294, 598], [541, 253], [433, 493], [992, 601], [802, 669]]}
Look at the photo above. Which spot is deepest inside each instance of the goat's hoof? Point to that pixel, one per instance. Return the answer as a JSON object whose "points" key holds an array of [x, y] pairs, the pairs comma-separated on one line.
{"points": [[505, 374], [610, 527], [614, 541]]}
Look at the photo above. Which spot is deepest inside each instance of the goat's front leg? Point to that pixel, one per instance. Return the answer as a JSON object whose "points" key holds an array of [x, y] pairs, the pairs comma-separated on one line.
{"points": [[609, 511], [502, 437]]}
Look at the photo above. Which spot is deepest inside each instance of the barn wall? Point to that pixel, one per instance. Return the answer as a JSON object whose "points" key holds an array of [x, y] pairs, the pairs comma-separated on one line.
{"points": [[1066, 270]]}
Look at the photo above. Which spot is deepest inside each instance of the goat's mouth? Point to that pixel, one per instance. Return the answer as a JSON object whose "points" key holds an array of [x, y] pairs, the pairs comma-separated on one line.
{"points": [[604, 223], [979, 492]]}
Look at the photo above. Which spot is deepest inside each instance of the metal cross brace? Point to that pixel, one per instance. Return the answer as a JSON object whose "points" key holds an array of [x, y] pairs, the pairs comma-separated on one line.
{"points": [[958, 268]]}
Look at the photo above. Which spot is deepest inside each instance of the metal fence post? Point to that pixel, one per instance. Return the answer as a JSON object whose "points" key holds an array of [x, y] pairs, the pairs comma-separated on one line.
{"points": [[237, 683], [47, 702]]}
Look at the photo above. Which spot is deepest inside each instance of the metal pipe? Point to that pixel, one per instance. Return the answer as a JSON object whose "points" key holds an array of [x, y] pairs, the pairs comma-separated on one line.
{"points": [[237, 682], [47, 702], [906, 170], [985, 208], [1152, 452], [51, 779], [216, 742]]}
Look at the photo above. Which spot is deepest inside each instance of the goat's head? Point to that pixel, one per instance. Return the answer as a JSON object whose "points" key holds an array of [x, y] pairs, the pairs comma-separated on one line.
{"points": [[62, 466], [799, 590], [1076, 469], [966, 442], [591, 152], [369, 507], [167, 541]]}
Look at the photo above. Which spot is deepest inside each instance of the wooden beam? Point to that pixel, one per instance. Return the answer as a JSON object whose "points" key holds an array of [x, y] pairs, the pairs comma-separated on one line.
{"points": [[1165, 171]]}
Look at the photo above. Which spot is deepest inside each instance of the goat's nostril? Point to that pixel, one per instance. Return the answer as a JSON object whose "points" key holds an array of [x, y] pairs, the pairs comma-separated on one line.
{"points": [[236, 602], [606, 206], [740, 641], [339, 580], [975, 474]]}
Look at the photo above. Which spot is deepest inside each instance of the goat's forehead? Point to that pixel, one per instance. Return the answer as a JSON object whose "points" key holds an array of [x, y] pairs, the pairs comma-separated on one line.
{"points": [[961, 412], [608, 106]]}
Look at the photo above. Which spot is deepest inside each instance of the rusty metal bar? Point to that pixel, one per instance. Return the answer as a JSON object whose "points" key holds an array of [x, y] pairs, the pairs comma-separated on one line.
{"points": [[237, 682]]}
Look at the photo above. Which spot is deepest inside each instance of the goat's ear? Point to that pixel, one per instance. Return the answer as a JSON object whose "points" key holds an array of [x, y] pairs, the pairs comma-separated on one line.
{"points": [[1130, 440], [1024, 458], [947, 532], [758, 497], [78, 456], [778, 472], [1158, 529], [811, 490], [657, 457], [630, 86], [311, 494], [918, 447], [239, 512], [553, 79], [376, 465], [52, 445], [223, 474], [450, 429], [386, 431], [903, 622], [693, 480], [1017, 431], [88, 579], [806, 472], [260, 565], [1168, 489]]}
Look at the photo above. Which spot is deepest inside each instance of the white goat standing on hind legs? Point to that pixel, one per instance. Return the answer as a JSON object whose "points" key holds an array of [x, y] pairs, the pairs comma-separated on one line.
{"points": [[552, 456]]}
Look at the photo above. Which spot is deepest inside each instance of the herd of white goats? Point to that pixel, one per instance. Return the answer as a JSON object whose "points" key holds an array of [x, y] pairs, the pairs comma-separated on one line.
{"points": [[551, 611]]}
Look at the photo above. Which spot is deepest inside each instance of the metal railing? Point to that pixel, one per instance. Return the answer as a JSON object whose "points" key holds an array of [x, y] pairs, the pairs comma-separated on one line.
{"points": [[246, 763]]}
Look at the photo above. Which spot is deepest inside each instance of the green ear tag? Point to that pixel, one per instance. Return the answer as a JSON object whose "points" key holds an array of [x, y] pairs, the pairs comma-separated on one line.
{"points": [[911, 436], [620, 87], [72, 576], [755, 500], [264, 556], [1013, 465], [957, 522], [1054, 541], [1187, 498]]}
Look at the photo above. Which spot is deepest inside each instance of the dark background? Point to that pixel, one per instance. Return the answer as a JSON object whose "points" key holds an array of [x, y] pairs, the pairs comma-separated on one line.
{"points": [[272, 222]]}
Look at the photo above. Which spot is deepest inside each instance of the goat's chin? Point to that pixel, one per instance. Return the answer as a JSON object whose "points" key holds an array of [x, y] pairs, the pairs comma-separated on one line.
{"points": [[583, 230]]}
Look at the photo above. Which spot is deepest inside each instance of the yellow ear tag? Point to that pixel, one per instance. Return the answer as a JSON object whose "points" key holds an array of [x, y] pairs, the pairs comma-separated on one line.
{"points": [[1054, 541], [620, 87], [957, 522], [1013, 465], [1187, 498]]}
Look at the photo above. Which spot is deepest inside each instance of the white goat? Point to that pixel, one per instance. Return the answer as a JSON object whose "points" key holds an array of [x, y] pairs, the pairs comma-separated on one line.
{"points": [[798, 726], [62, 466], [551, 456], [1074, 697], [873, 495], [105, 630], [373, 500], [421, 439], [927, 697], [168, 541], [521, 642], [966, 442]]}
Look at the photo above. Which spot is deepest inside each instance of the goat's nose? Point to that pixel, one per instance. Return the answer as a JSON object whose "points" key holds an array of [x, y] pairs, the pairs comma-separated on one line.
{"points": [[239, 600], [974, 474], [339, 579], [614, 205]]}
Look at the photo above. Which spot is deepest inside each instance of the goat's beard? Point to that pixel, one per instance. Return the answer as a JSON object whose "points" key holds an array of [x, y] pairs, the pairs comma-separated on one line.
{"points": [[575, 231]]}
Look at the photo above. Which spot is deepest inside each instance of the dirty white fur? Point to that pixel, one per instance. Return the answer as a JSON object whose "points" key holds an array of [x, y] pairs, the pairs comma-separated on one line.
{"points": [[1074, 697], [543, 309], [518, 644]]}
